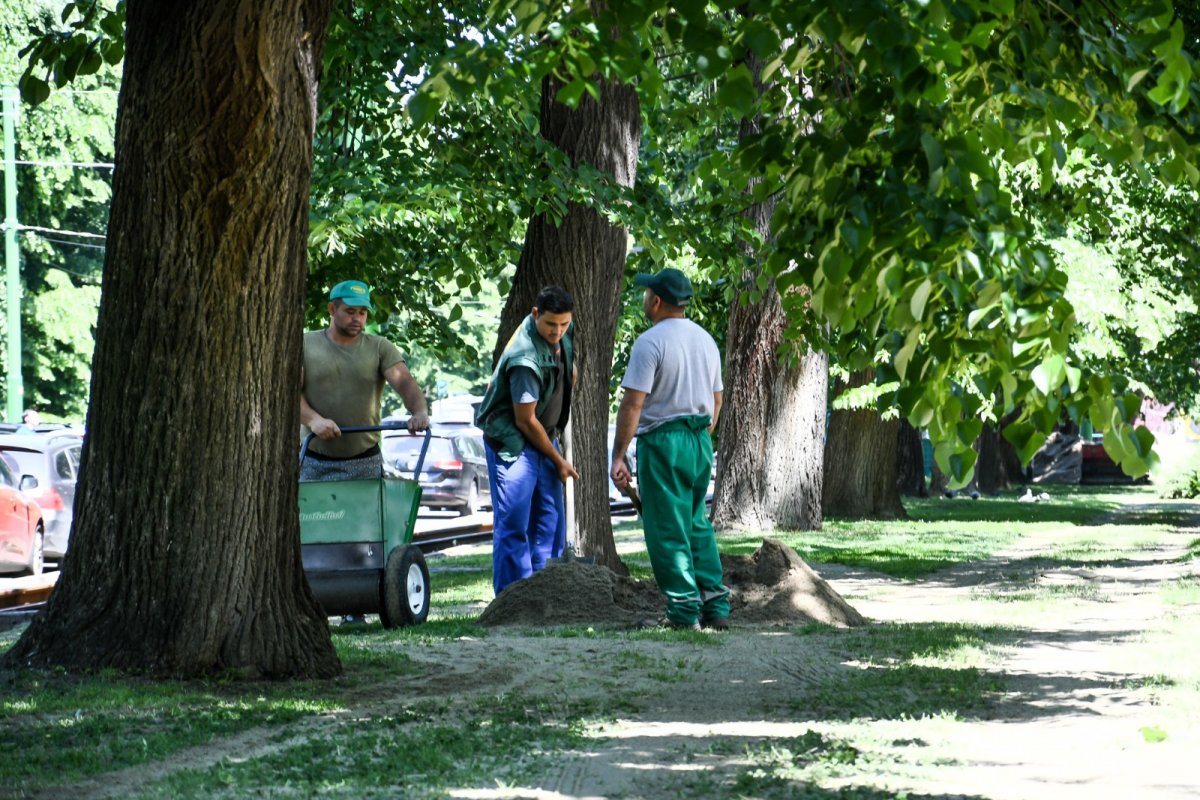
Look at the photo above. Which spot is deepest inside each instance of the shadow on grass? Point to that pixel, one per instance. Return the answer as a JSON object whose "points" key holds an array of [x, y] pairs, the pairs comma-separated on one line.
{"points": [[1071, 506], [892, 671], [1193, 551]]}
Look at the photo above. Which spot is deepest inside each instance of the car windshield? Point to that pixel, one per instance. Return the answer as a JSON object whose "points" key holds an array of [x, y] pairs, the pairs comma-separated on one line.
{"points": [[404, 449]]}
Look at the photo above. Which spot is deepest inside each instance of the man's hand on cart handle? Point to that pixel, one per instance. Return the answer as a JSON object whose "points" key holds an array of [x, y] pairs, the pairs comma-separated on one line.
{"points": [[325, 428], [418, 422]]}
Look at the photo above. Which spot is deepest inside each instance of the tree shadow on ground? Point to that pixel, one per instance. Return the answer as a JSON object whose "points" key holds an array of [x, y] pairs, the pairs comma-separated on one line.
{"points": [[1076, 507], [884, 674]]}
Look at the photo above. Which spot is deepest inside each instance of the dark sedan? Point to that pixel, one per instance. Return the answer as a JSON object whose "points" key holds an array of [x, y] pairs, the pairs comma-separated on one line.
{"points": [[454, 476]]}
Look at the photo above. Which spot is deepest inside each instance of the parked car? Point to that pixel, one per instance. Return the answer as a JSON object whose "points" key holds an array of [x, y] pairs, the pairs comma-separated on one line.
{"points": [[455, 475], [22, 531], [52, 458]]}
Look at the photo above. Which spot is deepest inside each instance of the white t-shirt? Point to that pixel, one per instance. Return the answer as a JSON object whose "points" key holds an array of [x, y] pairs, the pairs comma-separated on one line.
{"points": [[678, 365]]}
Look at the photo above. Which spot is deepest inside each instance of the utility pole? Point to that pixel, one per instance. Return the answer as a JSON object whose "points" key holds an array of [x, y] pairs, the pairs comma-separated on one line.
{"points": [[12, 256]]}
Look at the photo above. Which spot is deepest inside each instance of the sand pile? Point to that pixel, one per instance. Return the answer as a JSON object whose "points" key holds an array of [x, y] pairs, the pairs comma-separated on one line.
{"points": [[771, 587]]}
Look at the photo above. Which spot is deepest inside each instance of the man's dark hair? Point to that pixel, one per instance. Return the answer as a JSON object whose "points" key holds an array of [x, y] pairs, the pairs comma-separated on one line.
{"points": [[554, 299]]}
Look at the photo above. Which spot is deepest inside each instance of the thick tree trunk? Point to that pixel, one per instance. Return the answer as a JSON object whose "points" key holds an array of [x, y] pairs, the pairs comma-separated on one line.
{"points": [[769, 464], [185, 557], [910, 462], [998, 466], [585, 254], [860, 462]]}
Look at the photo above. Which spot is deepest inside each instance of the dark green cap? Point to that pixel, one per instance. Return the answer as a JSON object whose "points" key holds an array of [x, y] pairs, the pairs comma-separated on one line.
{"points": [[670, 284], [352, 293]]}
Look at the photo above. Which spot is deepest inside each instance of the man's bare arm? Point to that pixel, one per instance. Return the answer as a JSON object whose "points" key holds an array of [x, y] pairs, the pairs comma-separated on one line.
{"points": [[400, 379], [529, 426], [628, 415], [322, 427]]}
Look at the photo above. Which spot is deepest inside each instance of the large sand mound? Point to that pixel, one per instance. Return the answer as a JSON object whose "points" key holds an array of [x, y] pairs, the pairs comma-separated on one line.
{"points": [[771, 587]]}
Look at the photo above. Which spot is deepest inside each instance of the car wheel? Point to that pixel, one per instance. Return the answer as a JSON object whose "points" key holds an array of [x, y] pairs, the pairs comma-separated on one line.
{"points": [[37, 553], [405, 588], [472, 504]]}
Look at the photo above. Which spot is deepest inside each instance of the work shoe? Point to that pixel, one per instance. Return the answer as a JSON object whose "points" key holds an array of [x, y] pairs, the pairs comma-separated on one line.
{"points": [[665, 623], [715, 624]]}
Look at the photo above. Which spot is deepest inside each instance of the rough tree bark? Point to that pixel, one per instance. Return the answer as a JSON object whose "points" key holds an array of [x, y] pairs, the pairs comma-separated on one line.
{"points": [[185, 557], [910, 461], [585, 255], [771, 450], [860, 462], [998, 465]]}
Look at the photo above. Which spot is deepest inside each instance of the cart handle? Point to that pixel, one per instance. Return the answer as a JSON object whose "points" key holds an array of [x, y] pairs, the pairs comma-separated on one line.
{"points": [[387, 426]]}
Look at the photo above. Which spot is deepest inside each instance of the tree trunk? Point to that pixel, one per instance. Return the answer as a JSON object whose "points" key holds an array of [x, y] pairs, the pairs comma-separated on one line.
{"points": [[771, 449], [910, 462], [185, 557], [860, 462], [585, 254], [998, 465]]}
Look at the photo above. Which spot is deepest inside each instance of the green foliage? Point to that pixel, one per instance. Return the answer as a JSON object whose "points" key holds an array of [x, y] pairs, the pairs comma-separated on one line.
{"points": [[887, 162], [889, 134], [88, 35], [1185, 485], [60, 272]]}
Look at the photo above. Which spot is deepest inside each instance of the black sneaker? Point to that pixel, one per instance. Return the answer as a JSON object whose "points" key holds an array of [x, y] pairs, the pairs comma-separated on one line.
{"points": [[715, 624], [665, 623]]}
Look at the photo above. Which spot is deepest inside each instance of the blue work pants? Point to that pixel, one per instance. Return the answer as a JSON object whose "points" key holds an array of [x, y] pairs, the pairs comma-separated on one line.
{"points": [[528, 518]]}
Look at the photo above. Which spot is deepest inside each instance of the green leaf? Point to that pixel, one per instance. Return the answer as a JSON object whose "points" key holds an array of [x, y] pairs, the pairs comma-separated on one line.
{"points": [[905, 353], [933, 151], [570, 94], [34, 90], [1025, 437], [737, 92], [919, 298], [422, 108], [922, 414], [1048, 375]]}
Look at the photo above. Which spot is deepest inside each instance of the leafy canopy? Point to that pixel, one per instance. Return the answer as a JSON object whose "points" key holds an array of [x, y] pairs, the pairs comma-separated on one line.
{"points": [[888, 130]]}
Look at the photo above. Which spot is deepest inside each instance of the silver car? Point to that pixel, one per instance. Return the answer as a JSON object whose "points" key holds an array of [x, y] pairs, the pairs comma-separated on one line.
{"points": [[53, 458]]}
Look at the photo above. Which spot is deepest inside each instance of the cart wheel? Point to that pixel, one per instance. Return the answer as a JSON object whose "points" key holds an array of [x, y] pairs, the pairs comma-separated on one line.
{"points": [[405, 588]]}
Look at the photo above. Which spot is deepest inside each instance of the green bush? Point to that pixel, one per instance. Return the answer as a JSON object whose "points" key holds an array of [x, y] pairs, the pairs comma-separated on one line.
{"points": [[1186, 484]]}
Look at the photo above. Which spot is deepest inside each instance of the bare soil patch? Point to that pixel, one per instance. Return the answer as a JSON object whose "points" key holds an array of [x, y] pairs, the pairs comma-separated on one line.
{"points": [[772, 586]]}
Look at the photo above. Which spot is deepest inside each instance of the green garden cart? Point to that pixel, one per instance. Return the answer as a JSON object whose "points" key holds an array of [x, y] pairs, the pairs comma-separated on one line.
{"points": [[356, 542]]}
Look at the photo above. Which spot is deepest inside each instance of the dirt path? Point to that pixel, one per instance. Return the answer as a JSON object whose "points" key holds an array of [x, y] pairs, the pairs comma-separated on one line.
{"points": [[1070, 724], [1078, 677]]}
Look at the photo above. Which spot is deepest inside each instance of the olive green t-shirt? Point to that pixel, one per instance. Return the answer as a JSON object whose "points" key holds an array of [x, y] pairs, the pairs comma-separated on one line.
{"points": [[345, 384]]}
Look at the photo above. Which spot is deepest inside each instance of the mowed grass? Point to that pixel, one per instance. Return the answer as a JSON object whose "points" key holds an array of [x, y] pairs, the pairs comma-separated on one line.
{"points": [[942, 532], [336, 738]]}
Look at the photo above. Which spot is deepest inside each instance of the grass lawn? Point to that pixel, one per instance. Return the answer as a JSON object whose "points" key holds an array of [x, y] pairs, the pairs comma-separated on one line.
{"points": [[376, 732]]}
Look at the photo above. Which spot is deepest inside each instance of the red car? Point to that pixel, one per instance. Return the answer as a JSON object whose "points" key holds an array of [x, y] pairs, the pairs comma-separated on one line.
{"points": [[22, 531]]}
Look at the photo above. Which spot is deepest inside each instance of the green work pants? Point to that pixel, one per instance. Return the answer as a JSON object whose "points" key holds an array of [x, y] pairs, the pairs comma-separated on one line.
{"points": [[674, 463]]}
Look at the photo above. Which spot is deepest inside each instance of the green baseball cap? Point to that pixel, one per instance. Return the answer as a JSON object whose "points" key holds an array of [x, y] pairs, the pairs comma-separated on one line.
{"points": [[670, 284], [352, 293]]}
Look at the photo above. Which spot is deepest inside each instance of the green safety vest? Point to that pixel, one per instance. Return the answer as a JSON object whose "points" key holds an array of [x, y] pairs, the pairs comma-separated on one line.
{"points": [[526, 348]]}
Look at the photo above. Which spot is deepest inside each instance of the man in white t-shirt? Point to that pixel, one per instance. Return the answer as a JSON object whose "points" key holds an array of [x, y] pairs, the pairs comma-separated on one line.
{"points": [[671, 402]]}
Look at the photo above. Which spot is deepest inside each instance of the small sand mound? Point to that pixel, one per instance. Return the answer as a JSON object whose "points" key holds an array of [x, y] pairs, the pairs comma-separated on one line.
{"points": [[571, 593], [775, 586], [771, 587]]}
